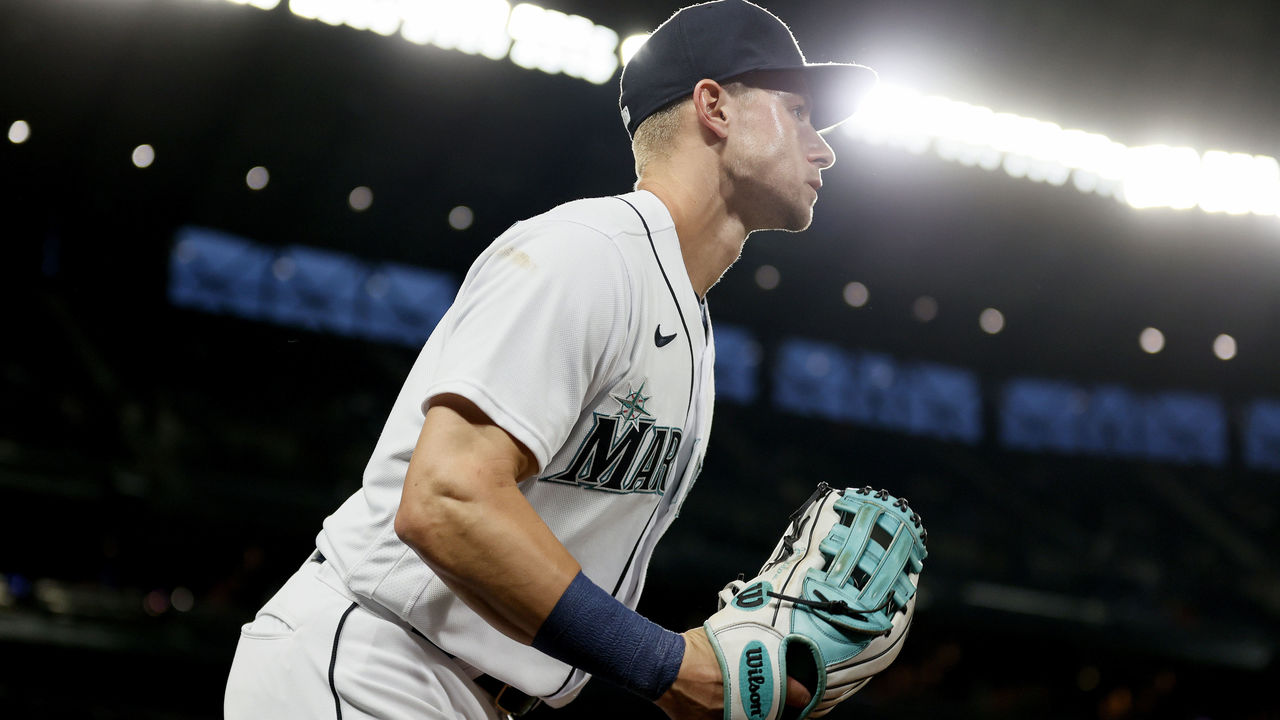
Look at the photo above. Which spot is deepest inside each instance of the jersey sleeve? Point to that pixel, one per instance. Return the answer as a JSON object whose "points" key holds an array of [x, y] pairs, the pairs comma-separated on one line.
{"points": [[535, 329]]}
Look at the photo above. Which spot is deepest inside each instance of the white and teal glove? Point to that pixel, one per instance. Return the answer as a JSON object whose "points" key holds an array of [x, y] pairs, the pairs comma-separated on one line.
{"points": [[831, 608]]}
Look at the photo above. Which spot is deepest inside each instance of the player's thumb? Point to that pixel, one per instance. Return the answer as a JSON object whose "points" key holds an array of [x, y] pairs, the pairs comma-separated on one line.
{"points": [[797, 694]]}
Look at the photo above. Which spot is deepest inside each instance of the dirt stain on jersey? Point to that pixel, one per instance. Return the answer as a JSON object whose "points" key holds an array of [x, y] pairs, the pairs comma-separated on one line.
{"points": [[519, 257]]}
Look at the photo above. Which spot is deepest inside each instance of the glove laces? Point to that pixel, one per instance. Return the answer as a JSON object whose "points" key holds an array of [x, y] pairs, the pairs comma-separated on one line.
{"points": [[835, 607]]}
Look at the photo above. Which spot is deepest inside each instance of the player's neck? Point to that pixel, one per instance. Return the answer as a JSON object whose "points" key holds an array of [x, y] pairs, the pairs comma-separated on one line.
{"points": [[710, 237]]}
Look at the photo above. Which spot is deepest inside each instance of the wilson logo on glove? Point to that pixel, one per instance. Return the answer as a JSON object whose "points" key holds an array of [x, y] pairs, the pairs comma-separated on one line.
{"points": [[757, 682], [753, 596]]}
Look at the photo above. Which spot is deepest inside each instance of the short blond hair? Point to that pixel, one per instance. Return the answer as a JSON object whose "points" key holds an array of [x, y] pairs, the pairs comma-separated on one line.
{"points": [[656, 135]]}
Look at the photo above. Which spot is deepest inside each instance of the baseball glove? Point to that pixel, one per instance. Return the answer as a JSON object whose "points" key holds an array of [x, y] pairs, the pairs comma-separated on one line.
{"points": [[831, 608]]}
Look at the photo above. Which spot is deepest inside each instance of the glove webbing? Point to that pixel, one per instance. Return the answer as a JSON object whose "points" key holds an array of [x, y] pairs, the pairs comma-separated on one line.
{"points": [[797, 523]]}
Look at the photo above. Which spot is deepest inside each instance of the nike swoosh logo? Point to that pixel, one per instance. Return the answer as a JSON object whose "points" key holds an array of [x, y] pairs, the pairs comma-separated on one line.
{"points": [[659, 339]]}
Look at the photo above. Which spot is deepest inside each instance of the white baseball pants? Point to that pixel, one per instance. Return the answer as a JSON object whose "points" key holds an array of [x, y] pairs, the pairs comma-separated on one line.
{"points": [[313, 653]]}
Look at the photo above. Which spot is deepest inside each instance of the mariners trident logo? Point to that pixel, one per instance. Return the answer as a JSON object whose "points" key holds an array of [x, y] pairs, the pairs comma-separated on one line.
{"points": [[624, 451]]}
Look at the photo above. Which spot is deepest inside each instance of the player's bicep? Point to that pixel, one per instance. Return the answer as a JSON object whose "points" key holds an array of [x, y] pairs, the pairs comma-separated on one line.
{"points": [[462, 454], [462, 512]]}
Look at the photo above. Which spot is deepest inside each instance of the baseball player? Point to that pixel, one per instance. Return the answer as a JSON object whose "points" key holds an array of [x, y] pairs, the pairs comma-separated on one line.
{"points": [[557, 418]]}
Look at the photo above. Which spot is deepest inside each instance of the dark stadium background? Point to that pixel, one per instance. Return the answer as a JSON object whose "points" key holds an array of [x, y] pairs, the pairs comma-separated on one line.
{"points": [[163, 469]]}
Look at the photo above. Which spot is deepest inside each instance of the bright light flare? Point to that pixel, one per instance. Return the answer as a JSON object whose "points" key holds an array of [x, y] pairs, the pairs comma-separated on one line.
{"points": [[257, 178], [1237, 183], [856, 294], [461, 217], [260, 4], [143, 156], [631, 46], [360, 198], [768, 277], [1151, 340], [991, 321], [553, 42], [1144, 177], [1162, 176], [972, 135], [1224, 347], [894, 116], [476, 27], [19, 132]]}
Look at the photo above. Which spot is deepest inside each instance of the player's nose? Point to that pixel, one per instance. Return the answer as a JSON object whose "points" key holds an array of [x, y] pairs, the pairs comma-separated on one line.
{"points": [[820, 152]]}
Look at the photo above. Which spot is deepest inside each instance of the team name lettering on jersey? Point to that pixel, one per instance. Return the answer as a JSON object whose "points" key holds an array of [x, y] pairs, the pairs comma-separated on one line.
{"points": [[625, 452]]}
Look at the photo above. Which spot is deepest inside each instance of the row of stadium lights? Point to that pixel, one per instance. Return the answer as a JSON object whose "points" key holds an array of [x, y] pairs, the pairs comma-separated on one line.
{"points": [[990, 320], [767, 277], [1154, 176], [530, 36], [359, 199], [972, 135]]}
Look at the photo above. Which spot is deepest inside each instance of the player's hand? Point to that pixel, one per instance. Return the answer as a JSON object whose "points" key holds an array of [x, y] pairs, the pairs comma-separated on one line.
{"points": [[698, 691]]}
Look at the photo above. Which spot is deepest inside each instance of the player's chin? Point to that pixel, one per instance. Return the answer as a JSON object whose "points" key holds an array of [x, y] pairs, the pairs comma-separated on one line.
{"points": [[793, 216], [801, 219]]}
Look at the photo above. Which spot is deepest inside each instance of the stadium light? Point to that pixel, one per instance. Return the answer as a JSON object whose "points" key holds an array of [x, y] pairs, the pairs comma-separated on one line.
{"points": [[1224, 347], [260, 4], [550, 41], [478, 27], [380, 16], [768, 277], [461, 217], [1161, 176], [531, 36], [628, 48], [19, 132], [1151, 340], [257, 178], [856, 294], [1155, 176], [991, 321], [360, 198], [143, 156]]}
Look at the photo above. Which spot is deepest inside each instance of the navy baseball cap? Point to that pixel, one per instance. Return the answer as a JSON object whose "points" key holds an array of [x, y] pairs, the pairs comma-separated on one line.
{"points": [[724, 39]]}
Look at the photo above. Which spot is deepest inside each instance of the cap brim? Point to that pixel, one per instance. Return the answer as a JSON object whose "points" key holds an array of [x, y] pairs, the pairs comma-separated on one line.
{"points": [[838, 90]]}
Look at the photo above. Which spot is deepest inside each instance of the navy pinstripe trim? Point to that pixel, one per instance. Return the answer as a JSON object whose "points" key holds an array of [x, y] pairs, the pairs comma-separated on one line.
{"points": [[333, 661], [689, 406], [692, 363]]}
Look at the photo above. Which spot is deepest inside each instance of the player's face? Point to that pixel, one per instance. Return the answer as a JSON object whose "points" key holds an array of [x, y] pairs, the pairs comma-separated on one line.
{"points": [[776, 157]]}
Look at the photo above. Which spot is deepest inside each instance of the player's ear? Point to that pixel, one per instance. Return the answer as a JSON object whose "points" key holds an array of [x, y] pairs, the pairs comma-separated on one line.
{"points": [[709, 103]]}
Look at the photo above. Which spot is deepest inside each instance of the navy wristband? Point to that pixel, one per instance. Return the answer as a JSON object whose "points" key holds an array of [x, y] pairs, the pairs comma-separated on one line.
{"points": [[590, 629]]}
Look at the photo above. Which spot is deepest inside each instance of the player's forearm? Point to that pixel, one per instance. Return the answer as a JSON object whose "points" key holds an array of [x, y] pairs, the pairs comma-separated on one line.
{"points": [[464, 514], [509, 573], [490, 547], [462, 511]]}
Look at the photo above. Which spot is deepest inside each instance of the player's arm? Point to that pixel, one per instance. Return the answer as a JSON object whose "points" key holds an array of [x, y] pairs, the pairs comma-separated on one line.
{"points": [[463, 513]]}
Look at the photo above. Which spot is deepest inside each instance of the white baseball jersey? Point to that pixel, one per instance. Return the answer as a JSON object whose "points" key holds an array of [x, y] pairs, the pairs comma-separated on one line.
{"points": [[578, 332]]}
